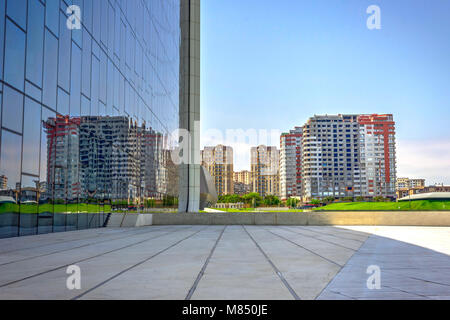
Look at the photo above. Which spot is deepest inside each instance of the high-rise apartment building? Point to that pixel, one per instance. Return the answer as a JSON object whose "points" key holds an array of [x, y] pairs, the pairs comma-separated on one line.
{"points": [[290, 164], [265, 173], [243, 176], [378, 155], [218, 161], [348, 156], [242, 182], [88, 112]]}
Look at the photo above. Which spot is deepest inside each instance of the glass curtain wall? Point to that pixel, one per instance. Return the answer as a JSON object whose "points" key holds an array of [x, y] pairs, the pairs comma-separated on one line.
{"points": [[86, 114]]}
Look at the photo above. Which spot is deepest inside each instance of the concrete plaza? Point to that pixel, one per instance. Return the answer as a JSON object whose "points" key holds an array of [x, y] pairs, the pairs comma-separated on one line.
{"points": [[229, 262]]}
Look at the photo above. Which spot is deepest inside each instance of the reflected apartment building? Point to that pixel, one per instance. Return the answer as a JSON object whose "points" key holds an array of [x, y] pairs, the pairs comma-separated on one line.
{"points": [[109, 158], [87, 114]]}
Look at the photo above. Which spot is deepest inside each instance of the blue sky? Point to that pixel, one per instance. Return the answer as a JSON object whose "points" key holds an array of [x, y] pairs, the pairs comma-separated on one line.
{"points": [[273, 64]]}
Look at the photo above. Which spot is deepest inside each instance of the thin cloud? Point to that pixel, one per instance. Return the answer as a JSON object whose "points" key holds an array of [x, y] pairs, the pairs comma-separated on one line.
{"points": [[429, 159]]}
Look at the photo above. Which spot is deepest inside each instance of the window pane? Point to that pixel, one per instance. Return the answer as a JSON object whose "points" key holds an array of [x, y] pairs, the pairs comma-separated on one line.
{"points": [[17, 12], [28, 205], [2, 34], [86, 72], [63, 102], [95, 86], [35, 41], [31, 137], [52, 15], [50, 70], [64, 54], [33, 91], [14, 56], [47, 172], [12, 109], [75, 83], [85, 106], [46, 150], [77, 34], [10, 158]]}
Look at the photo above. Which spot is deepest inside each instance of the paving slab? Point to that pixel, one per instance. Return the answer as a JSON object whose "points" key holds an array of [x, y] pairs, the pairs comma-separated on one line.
{"points": [[230, 262]]}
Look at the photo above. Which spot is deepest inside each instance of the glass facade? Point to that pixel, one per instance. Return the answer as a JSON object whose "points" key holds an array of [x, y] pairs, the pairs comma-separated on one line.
{"points": [[86, 114]]}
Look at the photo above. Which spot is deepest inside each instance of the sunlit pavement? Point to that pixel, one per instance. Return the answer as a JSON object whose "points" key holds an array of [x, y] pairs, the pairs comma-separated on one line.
{"points": [[232, 262]]}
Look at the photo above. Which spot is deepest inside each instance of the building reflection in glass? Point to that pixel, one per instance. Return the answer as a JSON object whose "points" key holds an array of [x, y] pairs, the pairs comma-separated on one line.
{"points": [[94, 165], [85, 114]]}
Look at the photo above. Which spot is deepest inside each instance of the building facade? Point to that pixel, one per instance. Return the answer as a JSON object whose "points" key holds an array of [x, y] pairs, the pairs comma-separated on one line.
{"points": [[290, 164], [406, 186], [402, 183], [409, 191], [242, 182], [406, 183], [241, 188], [87, 114], [243, 176], [348, 156], [218, 161], [265, 175]]}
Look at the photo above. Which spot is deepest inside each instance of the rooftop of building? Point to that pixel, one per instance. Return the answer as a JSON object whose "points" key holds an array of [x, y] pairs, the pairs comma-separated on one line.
{"points": [[427, 196]]}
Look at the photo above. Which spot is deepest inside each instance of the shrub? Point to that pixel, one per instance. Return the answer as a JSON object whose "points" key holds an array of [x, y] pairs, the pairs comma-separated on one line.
{"points": [[271, 200], [292, 202], [328, 199], [253, 198]]}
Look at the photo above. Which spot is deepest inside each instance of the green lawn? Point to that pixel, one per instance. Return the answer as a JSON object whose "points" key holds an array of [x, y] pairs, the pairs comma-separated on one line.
{"points": [[34, 208], [252, 210], [425, 205]]}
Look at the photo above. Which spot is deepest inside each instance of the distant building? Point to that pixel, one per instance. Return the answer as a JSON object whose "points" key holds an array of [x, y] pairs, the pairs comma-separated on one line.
{"points": [[428, 189], [3, 182], [348, 156], [265, 173], [417, 183], [440, 196], [241, 188], [218, 161], [406, 186], [402, 183], [407, 183], [438, 188], [290, 164], [242, 182], [243, 176]]}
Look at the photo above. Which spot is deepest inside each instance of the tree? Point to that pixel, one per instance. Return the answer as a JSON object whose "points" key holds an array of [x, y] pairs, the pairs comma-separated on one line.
{"points": [[292, 202], [315, 201], [229, 198], [150, 203], [253, 198], [271, 200], [328, 199], [359, 199]]}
